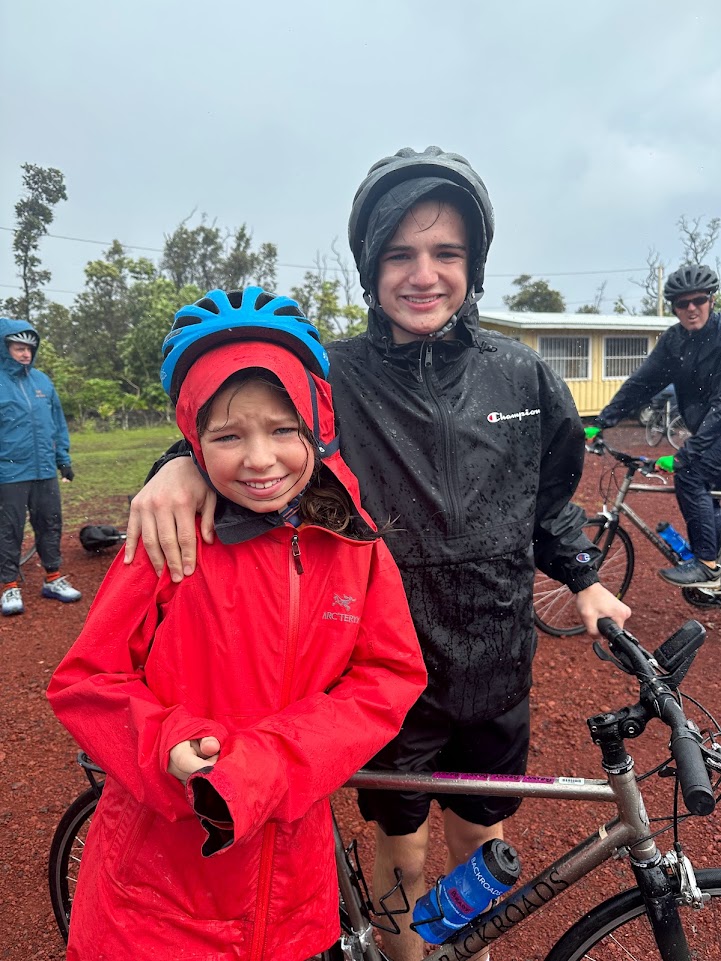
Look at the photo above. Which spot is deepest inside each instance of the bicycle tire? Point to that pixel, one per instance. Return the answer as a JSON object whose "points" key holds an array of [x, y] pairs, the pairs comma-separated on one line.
{"points": [[656, 428], [619, 929], [678, 433], [554, 608], [25, 555], [65, 854]]}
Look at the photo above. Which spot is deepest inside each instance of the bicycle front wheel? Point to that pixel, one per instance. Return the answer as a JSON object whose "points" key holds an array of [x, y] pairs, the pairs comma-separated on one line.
{"points": [[656, 428], [678, 432], [554, 606], [66, 852], [619, 930]]}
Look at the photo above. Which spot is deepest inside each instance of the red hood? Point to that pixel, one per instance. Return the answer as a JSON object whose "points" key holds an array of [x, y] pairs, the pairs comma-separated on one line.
{"points": [[311, 396], [211, 370]]}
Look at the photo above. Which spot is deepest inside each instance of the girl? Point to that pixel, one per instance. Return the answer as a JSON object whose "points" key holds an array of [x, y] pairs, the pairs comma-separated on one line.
{"points": [[227, 707]]}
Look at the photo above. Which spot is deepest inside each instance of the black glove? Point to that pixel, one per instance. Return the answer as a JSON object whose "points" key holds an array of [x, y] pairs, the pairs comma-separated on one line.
{"points": [[66, 471]]}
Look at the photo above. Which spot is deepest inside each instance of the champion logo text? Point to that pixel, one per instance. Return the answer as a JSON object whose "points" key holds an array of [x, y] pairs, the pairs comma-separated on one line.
{"points": [[496, 416]]}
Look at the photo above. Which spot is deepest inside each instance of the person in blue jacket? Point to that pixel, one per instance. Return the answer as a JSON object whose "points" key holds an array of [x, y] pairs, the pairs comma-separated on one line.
{"points": [[34, 445]]}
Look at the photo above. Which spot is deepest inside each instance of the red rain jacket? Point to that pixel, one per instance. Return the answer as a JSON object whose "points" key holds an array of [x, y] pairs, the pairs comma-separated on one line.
{"points": [[301, 676]]}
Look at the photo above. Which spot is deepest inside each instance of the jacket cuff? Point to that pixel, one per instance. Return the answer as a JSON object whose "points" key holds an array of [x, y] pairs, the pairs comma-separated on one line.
{"points": [[212, 812], [181, 448], [579, 582]]}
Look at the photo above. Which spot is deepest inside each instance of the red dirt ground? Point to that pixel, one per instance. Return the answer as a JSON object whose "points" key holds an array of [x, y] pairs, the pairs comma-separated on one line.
{"points": [[571, 684]]}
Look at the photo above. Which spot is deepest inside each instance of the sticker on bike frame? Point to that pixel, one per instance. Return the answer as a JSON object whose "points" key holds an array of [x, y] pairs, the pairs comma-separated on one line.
{"points": [[571, 780], [516, 778]]}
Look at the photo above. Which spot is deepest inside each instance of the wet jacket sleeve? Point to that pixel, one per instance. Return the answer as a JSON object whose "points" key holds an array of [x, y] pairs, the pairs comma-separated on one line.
{"points": [[655, 373], [282, 765], [707, 435], [558, 538], [180, 448], [99, 692], [62, 438]]}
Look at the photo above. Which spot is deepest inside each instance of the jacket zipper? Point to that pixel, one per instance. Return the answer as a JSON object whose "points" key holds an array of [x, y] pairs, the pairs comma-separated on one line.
{"points": [[265, 872], [449, 471]]}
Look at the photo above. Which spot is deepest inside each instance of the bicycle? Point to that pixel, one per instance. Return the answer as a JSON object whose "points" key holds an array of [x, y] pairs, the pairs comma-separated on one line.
{"points": [[554, 608], [673, 913], [664, 420]]}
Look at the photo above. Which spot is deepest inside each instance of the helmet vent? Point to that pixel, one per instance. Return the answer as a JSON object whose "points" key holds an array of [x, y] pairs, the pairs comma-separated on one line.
{"points": [[263, 299], [290, 311], [187, 321], [235, 298], [207, 304]]}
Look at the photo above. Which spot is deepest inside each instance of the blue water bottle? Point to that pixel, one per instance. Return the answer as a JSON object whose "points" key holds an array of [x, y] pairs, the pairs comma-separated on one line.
{"points": [[467, 891], [674, 540]]}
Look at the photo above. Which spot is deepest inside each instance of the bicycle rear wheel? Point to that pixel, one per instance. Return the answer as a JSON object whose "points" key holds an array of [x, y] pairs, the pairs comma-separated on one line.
{"points": [[619, 930], [66, 852], [678, 432], [554, 607], [656, 428], [28, 546]]}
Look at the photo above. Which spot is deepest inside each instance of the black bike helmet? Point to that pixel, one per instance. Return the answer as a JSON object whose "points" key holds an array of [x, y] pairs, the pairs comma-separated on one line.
{"points": [[690, 278], [408, 164]]}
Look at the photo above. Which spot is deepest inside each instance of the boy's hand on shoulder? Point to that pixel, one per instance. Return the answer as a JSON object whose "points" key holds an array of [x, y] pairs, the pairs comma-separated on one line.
{"points": [[187, 757], [163, 512]]}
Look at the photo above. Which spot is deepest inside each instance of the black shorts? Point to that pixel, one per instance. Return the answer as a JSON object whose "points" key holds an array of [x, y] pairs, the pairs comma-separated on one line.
{"points": [[429, 742]]}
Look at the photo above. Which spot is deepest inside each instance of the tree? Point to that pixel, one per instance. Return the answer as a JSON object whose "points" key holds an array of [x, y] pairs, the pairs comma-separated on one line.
{"points": [[595, 307], [206, 258], [697, 242], [44, 188], [534, 295], [151, 307], [101, 314]]}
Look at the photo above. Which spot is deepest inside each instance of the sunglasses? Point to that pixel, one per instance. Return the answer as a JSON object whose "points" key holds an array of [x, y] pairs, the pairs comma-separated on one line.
{"points": [[696, 301]]}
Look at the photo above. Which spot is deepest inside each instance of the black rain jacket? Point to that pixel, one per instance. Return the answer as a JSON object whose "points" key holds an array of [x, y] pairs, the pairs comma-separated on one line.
{"points": [[473, 447], [692, 363]]}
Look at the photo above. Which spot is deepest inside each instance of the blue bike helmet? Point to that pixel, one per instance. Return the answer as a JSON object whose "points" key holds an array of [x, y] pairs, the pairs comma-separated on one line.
{"points": [[250, 314]]}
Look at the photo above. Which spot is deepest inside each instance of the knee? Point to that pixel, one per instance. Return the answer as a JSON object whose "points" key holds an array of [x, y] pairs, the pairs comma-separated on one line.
{"points": [[406, 852]]}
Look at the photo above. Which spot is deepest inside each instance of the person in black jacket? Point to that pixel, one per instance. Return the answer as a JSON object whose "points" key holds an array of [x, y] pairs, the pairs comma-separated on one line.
{"points": [[687, 355], [472, 446]]}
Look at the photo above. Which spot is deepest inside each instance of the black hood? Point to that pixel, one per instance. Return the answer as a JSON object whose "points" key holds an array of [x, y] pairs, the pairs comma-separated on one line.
{"points": [[392, 207]]}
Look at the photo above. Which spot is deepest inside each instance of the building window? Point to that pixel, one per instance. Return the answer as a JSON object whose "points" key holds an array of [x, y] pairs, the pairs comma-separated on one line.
{"points": [[622, 355], [568, 356]]}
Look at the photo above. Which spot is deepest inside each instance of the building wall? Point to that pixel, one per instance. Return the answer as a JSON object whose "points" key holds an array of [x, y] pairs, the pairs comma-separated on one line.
{"points": [[590, 395]]}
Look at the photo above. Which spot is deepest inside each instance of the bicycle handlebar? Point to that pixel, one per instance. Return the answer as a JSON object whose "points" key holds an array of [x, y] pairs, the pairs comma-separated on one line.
{"points": [[685, 743]]}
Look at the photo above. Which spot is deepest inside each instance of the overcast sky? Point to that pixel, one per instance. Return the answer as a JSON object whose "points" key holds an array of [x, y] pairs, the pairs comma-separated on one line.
{"points": [[595, 125]]}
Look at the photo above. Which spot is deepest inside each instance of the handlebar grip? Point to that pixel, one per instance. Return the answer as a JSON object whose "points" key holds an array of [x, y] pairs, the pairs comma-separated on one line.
{"points": [[609, 628], [692, 773]]}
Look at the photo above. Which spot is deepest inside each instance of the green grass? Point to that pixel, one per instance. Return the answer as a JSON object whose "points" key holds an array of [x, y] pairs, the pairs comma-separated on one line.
{"points": [[109, 467]]}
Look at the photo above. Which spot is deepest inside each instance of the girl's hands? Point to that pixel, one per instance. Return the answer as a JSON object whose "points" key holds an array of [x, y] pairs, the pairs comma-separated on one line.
{"points": [[187, 757]]}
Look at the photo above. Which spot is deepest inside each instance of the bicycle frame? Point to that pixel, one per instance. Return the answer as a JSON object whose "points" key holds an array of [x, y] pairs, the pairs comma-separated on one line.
{"points": [[621, 508], [628, 831]]}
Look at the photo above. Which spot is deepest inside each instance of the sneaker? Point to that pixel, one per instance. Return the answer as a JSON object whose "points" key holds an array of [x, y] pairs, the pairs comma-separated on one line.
{"points": [[692, 574], [60, 590], [12, 601]]}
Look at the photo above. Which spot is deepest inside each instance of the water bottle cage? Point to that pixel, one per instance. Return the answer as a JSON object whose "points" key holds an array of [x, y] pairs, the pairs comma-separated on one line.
{"points": [[388, 923], [439, 917]]}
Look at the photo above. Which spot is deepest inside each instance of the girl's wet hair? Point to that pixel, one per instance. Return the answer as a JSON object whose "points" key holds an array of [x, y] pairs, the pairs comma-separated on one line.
{"points": [[325, 501]]}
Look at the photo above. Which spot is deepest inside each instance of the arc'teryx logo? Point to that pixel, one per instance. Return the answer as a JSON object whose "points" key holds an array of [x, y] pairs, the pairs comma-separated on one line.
{"points": [[495, 416], [343, 601]]}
